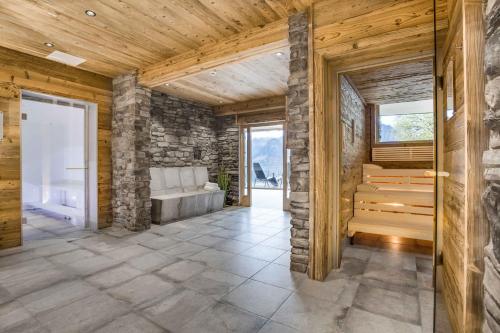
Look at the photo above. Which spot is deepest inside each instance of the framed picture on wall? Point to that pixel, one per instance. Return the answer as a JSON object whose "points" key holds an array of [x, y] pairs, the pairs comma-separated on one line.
{"points": [[450, 96]]}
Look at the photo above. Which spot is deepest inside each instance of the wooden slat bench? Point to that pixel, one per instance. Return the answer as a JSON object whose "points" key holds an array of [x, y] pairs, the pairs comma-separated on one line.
{"points": [[394, 202]]}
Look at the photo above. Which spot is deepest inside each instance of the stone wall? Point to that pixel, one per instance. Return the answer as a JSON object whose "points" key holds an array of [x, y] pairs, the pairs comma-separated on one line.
{"points": [[491, 160], [355, 149], [228, 149], [298, 140], [130, 153], [183, 133]]}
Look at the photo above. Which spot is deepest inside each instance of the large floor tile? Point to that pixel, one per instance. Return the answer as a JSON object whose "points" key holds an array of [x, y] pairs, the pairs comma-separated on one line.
{"points": [[233, 246], [113, 276], [125, 253], [212, 257], [130, 323], [214, 283], [251, 237], [183, 250], [280, 276], [12, 314], [176, 310], [159, 243], [310, 314], [224, 318], [143, 290], [263, 252], [182, 270], [390, 276], [241, 265], [274, 327], [359, 321], [388, 303], [57, 295], [92, 265], [278, 242], [257, 297], [207, 240], [151, 261], [30, 276], [69, 257], [84, 315], [338, 291]]}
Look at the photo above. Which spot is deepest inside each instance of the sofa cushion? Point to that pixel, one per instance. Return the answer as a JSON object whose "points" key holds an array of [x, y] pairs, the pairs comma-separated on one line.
{"points": [[200, 176], [187, 179], [157, 184]]}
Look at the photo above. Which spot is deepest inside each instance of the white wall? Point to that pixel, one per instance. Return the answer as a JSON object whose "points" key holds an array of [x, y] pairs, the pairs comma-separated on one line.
{"points": [[53, 140]]}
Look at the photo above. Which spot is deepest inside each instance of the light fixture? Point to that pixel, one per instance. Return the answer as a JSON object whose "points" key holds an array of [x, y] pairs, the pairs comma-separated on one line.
{"points": [[279, 54], [90, 13], [213, 73], [220, 102], [49, 44], [167, 84]]}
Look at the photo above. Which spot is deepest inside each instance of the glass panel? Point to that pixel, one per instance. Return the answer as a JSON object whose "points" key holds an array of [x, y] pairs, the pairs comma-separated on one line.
{"points": [[53, 159], [245, 161], [406, 122]]}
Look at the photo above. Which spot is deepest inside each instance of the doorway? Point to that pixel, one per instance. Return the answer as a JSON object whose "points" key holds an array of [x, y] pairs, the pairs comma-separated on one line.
{"points": [[58, 165], [264, 164]]}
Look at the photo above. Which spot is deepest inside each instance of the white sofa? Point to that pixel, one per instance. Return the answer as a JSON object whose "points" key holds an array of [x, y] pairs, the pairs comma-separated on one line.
{"points": [[178, 193]]}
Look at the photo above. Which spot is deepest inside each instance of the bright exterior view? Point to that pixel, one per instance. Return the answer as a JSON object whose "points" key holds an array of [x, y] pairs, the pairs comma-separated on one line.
{"points": [[409, 121], [267, 157]]}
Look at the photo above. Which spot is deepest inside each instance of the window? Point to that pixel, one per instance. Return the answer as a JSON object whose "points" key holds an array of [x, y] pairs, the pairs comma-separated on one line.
{"points": [[405, 122]]}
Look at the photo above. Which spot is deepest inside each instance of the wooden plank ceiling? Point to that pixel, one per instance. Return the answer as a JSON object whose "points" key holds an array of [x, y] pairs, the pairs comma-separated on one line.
{"points": [[402, 82], [132, 35], [262, 76]]}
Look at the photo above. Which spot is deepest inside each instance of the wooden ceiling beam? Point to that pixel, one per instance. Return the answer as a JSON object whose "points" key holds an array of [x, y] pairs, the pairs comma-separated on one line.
{"points": [[268, 104], [261, 40]]}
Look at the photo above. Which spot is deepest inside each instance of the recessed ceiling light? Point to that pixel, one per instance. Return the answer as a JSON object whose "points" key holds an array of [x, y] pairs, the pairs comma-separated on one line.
{"points": [[213, 73], [49, 44], [220, 102], [279, 54], [167, 84], [90, 13]]}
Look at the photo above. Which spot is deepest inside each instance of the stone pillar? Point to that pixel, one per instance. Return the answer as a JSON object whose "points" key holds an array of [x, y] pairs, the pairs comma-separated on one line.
{"points": [[298, 140], [491, 161], [228, 142], [130, 153]]}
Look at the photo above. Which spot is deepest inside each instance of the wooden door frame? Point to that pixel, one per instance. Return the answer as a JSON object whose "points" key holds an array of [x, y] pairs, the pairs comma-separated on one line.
{"points": [[325, 158], [246, 200]]}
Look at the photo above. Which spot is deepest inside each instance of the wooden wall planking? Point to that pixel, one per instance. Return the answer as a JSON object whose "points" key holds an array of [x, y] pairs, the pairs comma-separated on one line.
{"points": [[41, 75], [10, 163], [464, 227]]}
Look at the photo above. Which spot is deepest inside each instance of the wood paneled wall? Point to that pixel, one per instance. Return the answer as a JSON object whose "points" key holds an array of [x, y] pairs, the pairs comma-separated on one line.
{"points": [[463, 225], [10, 172], [40, 75]]}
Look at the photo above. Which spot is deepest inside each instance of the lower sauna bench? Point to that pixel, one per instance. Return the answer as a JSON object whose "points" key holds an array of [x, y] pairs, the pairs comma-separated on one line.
{"points": [[394, 202]]}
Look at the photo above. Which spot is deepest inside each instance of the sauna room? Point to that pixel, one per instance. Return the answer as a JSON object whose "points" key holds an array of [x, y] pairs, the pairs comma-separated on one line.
{"points": [[386, 178]]}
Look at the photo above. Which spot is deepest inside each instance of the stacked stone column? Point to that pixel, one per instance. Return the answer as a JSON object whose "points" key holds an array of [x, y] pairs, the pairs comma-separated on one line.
{"points": [[130, 153], [298, 140], [491, 161]]}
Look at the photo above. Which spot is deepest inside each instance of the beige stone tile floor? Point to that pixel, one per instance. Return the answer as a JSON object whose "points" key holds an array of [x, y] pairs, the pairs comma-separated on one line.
{"points": [[223, 272]]}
